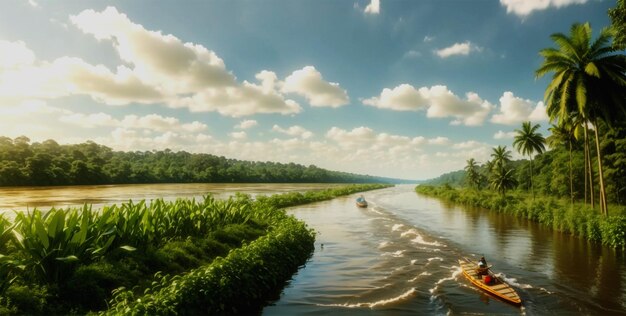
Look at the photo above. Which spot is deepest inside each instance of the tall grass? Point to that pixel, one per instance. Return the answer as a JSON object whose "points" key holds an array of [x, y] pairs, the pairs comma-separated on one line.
{"points": [[558, 214]]}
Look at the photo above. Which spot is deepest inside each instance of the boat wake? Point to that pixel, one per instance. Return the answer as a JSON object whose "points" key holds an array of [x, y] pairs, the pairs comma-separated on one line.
{"points": [[513, 282], [379, 303]]}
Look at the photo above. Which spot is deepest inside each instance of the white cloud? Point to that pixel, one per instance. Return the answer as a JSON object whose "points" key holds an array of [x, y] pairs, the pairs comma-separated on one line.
{"points": [[439, 141], [15, 54], [309, 83], [503, 135], [157, 69], [514, 110], [525, 7], [458, 49], [33, 3], [238, 135], [246, 124], [373, 7], [428, 38], [296, 130], [438, 101], [153, 122]]}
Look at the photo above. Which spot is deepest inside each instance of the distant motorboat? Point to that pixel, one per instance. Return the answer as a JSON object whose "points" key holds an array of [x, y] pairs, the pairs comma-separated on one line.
{"points": [[360, 202]]}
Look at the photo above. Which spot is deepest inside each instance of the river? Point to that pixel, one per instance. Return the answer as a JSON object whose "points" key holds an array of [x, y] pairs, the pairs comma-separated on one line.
{"points": [[399, 255]]}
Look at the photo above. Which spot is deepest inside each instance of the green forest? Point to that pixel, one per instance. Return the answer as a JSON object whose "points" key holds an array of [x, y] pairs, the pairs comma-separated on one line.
{"points": [[557, 172], [23, 163]]}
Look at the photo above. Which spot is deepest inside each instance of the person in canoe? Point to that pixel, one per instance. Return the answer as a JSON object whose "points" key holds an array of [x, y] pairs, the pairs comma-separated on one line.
{"points": [[482, 266]]}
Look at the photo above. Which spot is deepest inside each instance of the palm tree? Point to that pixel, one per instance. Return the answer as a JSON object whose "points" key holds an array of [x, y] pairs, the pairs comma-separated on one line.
{"points": [[501, 157], [502, 180], [527, 142], [589, 78], [563, 134], [472, 174]]}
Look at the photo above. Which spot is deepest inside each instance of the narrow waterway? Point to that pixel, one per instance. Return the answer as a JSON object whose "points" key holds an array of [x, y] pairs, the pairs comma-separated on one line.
{"points": [[399, 256]]}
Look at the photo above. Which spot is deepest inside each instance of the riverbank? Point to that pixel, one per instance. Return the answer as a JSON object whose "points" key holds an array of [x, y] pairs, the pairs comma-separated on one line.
{"points": [[579, 219], [68, 260]]}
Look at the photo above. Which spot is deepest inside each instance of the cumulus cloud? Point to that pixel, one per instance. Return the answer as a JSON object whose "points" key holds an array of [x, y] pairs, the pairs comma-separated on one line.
{"points": [[503, 135], [238, 135], [526, 7], [373, 7], [458, 49], [15, 54], [246, 124], [153, 122], [438, 101], [296, 130], [309, 83], [157, 68], [514, 110]]}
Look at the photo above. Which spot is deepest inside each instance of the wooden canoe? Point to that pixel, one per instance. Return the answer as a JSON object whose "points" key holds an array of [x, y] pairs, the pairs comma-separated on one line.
{"points": [[360, 202], [498, 287]]}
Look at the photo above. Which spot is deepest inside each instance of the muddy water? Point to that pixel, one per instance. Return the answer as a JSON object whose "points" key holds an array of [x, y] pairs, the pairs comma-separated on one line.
{"points": [[399, 257], [28, 198]]}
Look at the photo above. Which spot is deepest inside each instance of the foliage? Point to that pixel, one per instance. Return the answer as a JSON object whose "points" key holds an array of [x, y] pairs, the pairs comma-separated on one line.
{"points": [[554, 213], [78, 256], [48, 163], [240, 282], [618, 22]]}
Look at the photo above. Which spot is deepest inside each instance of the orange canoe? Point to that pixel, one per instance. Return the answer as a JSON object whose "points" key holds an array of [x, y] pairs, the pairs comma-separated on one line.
{"points": [[497, 287]]}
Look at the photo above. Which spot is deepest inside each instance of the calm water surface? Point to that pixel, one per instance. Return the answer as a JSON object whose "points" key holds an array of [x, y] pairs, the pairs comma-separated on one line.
{"points": [[399, 255]]}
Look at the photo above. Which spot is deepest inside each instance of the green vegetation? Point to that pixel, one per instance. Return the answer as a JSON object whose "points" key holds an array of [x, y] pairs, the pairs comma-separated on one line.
{"points": [[48, 163], [618, 22], [555, 213], [178, 257]]}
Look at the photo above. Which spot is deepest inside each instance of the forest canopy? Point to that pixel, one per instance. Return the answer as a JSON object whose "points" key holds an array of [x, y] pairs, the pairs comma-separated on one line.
{"points": [[49, 163]]}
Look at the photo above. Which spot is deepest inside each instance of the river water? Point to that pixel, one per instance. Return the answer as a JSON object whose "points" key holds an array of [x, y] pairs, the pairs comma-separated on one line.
{"points": [[399, 255]]}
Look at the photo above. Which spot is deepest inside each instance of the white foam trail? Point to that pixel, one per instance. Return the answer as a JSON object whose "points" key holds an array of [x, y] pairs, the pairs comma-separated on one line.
{"points": [[378, 218], [419, 275], [384, 302], [384, 244], [455, 273], [396, 227], [513, 281], [420, 240], [397, 254], [414, 261], [435, 258], [375, 210], [411, 231]]}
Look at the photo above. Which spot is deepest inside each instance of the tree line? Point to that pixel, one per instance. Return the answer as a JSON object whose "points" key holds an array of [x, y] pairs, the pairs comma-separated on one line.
{"points": [[23, 163], [586, 102]]}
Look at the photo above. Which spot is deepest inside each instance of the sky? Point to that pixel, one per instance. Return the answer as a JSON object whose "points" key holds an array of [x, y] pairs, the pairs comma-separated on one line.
{"points": [[393, 88]]}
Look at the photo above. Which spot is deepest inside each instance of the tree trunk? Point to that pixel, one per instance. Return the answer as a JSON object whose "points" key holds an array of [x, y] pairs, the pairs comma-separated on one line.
{"points": [[571, 178], [532, 191], [589, 168], [603, 208]]}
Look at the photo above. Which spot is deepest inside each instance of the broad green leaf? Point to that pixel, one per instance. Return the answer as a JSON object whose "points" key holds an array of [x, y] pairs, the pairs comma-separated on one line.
{"points": [[41, 233], [71, 258], [128, 248]]}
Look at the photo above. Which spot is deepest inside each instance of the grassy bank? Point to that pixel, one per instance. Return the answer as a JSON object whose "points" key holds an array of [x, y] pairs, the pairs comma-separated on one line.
{"points": [[560, 215], [68, 261]]}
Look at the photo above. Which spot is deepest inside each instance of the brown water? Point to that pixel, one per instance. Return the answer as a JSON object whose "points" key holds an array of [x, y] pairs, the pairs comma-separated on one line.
{"points": [[27, 198], [399, 256]]}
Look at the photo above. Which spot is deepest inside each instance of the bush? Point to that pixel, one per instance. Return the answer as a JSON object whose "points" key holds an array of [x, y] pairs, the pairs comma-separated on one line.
{"points": [[558, 214]]}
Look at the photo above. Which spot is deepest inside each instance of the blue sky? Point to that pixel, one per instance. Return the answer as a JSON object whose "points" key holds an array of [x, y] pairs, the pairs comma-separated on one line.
{"points": [[407, 89]]}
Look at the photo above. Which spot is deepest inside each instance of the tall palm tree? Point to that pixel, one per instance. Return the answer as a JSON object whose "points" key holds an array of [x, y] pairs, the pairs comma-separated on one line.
{"points": [[590, 78], [472, 174], [563, 134], [527, 142]]}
